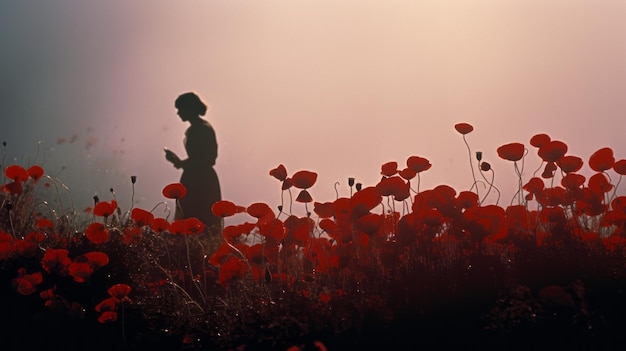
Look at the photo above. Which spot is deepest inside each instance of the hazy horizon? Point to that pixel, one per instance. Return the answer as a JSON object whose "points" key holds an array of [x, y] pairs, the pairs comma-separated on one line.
{"points": [[335, 87]]}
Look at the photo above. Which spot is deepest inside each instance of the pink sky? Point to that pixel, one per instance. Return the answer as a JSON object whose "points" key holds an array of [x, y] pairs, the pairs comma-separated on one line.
{"points": [[335, 87]]}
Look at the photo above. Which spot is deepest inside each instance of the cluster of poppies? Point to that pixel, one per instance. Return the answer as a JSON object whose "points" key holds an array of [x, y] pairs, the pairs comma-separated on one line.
{"points": [[394, 215], [373, 228]]}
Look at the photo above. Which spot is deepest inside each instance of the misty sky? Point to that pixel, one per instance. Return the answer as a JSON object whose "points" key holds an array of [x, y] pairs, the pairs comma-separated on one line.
{"points": [[336, 87]]}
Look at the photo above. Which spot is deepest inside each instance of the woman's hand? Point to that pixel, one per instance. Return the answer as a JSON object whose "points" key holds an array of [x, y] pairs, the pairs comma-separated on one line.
{"points": [[173, 158]]}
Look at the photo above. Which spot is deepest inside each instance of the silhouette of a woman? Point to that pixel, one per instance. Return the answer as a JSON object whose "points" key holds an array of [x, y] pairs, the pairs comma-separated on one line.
{"points": [[199, 177]]}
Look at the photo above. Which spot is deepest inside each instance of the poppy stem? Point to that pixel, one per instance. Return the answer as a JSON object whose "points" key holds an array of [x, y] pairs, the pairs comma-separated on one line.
{"points": [[471, 165]]}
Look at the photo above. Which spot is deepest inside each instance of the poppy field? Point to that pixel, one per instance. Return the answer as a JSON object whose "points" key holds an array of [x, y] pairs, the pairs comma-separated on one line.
{"points": [[385, 266]]}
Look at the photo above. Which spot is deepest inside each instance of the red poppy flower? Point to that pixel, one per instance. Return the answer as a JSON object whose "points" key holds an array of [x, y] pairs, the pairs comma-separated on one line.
{"points": [[369, 197], [35, 172], [329, 226], [388, 169], [599, 183], [159, 225], [120, 291], [47, 294], [370, 223], [56, 261], [573, 181], [25, 248], [463, 128], [304, 196], [570, 164], [193, 225], [418, 164], [174, 191], [538, 140], [260, 210], [390, 186], [287, 183], [548, 170], [141, 217], [323, 210], [225, 208], [602, 160], [97, 233], [45, 224], [13, 187], [108, 316], [534, 185], [26, 284], [552, 151], [177, 227], [298, 230], [407, 173], [108, 304], [279, 173], [96, 259], [467, 199], [105, 209], [80, 271], [16, 173], [620, 167], [304, 179], [511, 152], [231, 269]]}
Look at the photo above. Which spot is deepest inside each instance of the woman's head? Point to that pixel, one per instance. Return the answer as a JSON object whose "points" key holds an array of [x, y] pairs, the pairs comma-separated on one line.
{"points": [[191, 103]]}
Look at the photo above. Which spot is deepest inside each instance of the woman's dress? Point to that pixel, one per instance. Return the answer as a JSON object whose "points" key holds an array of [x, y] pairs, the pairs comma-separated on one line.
{"points": [[199, 177]]}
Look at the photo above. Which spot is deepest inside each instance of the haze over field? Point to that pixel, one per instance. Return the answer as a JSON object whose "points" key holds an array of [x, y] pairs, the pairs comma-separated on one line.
{"points": [[335, 87]]}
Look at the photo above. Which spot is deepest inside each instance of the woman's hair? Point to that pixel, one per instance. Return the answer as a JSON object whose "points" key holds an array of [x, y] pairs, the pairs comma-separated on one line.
{"points": [[191, 102]]}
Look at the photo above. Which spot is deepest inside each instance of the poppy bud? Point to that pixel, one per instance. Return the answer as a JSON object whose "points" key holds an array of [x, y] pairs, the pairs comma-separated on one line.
{"points": [[280, 208], [359, 186], [133, 179], [96, 199], [350, 181], [4, 143], [111, 190], [479, 155], [484, 166]]}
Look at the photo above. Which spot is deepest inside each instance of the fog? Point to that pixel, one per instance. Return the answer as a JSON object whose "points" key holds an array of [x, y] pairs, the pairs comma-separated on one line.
{"points": [[335, 87]]}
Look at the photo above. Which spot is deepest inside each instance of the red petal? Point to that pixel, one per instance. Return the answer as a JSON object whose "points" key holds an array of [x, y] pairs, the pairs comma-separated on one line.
{"points": [[35, 172], [279, 173], [418, 164], [16, 173], [119, 291], [463, 128], [570, 164], [602, 160], [620, 167], [174, 191], [370, 197], [538, 140], [388, 169], [259, 210], [511, 152], [97, 233], [304, 196], [304, 179], [225, 208], [552, 151]]}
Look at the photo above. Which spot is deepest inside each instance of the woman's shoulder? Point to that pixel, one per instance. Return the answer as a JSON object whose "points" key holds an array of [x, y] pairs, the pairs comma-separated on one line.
{"points": [[200, 128]]}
